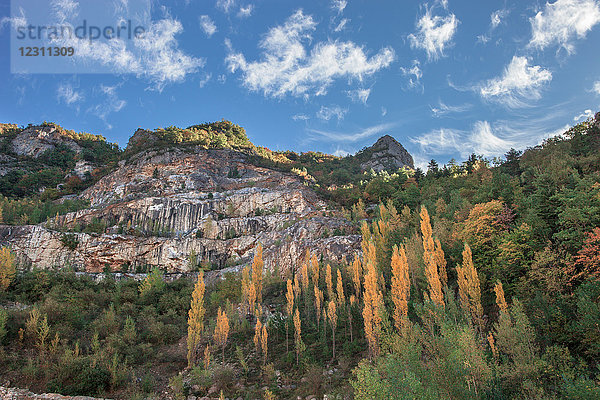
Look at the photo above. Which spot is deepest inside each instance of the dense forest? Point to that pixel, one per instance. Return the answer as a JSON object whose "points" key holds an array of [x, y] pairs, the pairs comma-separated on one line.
{"points": [[476, 280]]}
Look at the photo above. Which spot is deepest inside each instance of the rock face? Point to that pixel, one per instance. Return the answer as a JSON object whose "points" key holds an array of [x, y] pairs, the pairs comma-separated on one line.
{"points": [[171, 206], [23, 394], [387, 154], [35, 140]]}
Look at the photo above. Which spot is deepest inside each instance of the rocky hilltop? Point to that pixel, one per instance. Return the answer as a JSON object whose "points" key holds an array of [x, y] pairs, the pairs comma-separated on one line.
{"points": [[385, 154]]}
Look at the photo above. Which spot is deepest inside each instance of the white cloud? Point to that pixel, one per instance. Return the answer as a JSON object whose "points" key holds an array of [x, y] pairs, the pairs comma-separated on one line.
{"points": [[207, 25], [359, 95], [300, 117], [14, 21], [413, 73], [434, 33], [497, 17], [245, 12], [583, 116], [443, 109], [327, 113], [596, 87], [383, 111], [562, 22], [342, 25], [155, 55], [288, 67], [518, 82], [225, 5], [110, 104], [352, 137], [339, 5], [67, 94], [204, 80]]}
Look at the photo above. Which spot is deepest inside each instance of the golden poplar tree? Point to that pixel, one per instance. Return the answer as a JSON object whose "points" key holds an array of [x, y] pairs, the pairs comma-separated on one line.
{"points": [[341, 299], [206, 357], [314, 263], [318, 303], [222, 331], [297, 288], [298, 335], [264, 343], [304, 275], [289, 310], [500, 300], [431, 268], [196, 320], [469, 288], [352, 301], [257, 334], [400, 286], [329, 282], [440, 260], [372, 299], [332, 316], [356, 276], [8, 268], [257, 272]]}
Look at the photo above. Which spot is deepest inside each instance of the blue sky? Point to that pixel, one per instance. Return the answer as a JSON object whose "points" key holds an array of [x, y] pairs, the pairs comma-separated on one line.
{"points": [[445, 78]]}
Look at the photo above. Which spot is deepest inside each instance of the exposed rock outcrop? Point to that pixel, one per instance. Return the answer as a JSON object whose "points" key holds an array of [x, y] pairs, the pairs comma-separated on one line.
{"points": [[167, 207], [24, 394], [387, 154], [35, 140]]}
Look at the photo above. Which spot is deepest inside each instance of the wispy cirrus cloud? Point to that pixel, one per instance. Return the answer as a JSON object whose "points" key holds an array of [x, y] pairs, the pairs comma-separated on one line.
{"points": [[518, 83], [444, 109], [359, 95], [351, 137], [66, 93], [413, 73], [563, 21], [434, 33], [339, 5], [110, 103], [225, 5], [596, 87], [327, 113], [287, 66], [207, 25]]}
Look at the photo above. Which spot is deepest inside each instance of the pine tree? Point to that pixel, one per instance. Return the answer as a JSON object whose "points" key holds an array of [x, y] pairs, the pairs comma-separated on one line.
{"points": [[329, 282], [298, 336], [332, 315], [400, 286], [153, 281], [257, 273], [8, 268], [289, 310], [352, 303], [196, 320], [431, 268], [221, 331]]}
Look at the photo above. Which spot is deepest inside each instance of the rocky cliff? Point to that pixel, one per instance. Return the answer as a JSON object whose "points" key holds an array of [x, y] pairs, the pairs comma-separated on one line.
{"points": [[179, 207]]}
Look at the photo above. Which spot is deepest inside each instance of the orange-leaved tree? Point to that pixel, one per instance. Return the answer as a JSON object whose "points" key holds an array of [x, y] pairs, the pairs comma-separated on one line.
{"points": [[400, 286], [195, 320], [222, 331], [431, 269], [469, 288]]}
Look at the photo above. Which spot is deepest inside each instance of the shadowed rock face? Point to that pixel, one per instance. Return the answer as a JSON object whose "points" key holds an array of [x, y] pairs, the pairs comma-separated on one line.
{"points": [[35, 140], [163, 207], [387, 154]]}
